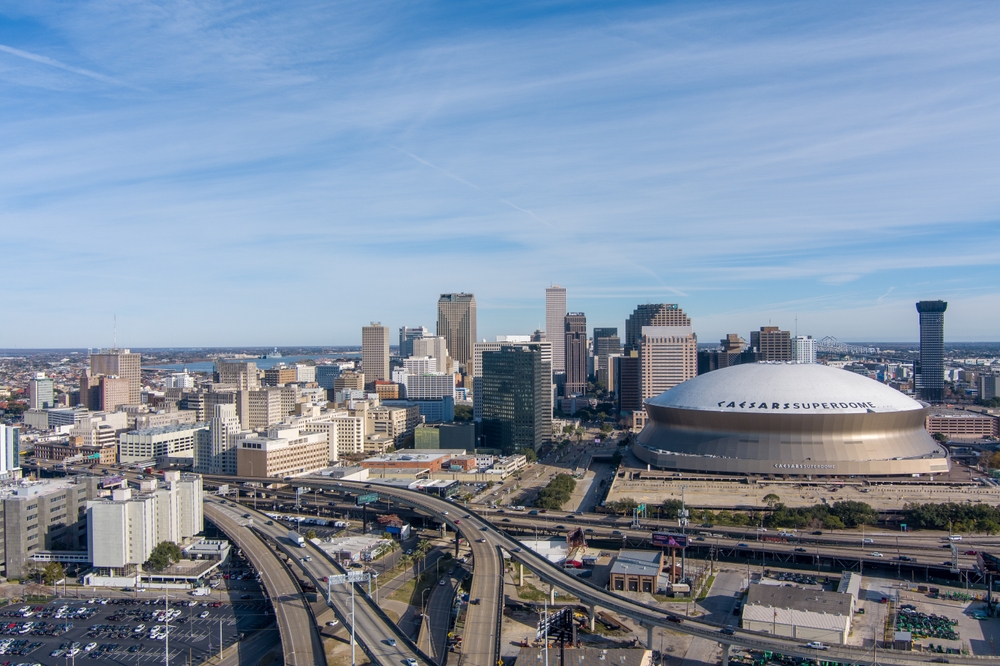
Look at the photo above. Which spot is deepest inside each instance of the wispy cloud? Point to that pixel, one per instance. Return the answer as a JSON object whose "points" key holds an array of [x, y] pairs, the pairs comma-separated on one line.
{"points": [[52, 62]]}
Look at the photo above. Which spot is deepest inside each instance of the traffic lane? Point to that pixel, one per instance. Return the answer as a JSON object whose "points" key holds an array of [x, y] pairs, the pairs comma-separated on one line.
{"points": [[369, 627], [298, 635], [439, 608]]}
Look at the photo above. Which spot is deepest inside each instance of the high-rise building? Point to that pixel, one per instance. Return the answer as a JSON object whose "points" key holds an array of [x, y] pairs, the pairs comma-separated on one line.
{"points": [[771, 344], [576, 351], [114, 392], [241, 374], [516, 399], [375, 352], [120, 363], [41, 392], [930, 374], [652, 314], [555, 325], [803, 349], [435, 346], [987, 386], [407, 336], [457, 324], [501, 341], [265, 408], [732, 352], [279, 376], [326, 374], [10, 452], [216, 451], [606, 343], [627, 381], [668, 355]]}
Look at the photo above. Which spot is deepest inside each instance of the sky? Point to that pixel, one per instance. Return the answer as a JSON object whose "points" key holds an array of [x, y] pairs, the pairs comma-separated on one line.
{"points": [[269, 173]]}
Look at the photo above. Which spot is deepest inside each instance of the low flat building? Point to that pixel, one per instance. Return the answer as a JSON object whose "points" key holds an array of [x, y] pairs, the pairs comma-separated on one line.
{"points": [[958, 424], [445, 436], [793, 612], [105, 453], [637, 571], [165, 444], [432, 461]]}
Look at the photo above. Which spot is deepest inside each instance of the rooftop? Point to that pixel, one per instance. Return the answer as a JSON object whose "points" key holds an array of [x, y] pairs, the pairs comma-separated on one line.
{"points": [[637, 563], [798, 599]]}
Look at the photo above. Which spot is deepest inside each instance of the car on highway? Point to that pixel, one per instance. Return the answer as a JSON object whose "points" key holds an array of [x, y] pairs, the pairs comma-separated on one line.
{"points": [[905, 558], [815, 645], [391, 642], [970, 552], [875, 553], [333, 623], [441, 582], [867, 540], [505, 520], [484, 529], [728, 631], [481, 540], [800, 549], [517, 550], [444, 513], [742, 545], [410, 661], [817, 533], [560, 527]]}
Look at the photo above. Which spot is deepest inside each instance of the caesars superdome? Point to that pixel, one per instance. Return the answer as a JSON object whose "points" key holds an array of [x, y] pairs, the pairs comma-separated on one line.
{"points": [[788, 419]]}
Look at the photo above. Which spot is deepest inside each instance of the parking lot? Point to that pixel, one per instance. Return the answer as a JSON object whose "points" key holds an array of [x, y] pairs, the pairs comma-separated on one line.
{"points": [[126, 627]]}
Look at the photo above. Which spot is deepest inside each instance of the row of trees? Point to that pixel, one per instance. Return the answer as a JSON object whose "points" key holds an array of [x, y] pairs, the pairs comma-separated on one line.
{"points": [[953, 517], [557, 493]]}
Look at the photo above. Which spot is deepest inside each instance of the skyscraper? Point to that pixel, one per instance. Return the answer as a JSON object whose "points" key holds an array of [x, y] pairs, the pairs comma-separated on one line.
{"points": [[406, 337], [435, 346], [652, 314], [930, 373], [803, 349], [606, 343], [668, 355], [375, 352], [10, 452], [555, 314], [216, 450], [575, 327], [502, 341], [457, 323], [41, 392], [771, 344], [516, 399], [121, 363]]}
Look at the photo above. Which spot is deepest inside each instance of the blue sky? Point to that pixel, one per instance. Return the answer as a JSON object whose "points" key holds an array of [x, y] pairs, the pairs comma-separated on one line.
{"points": [[229, 173]]}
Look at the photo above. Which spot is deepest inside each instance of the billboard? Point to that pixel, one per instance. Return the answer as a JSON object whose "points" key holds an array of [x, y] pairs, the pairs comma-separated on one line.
{"points": [[667, 540], [109, 481], [368, 498]]}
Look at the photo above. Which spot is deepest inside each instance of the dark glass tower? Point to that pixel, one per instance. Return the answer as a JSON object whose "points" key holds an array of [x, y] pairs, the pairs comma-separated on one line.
{"points": [[930, 373], [517, 399], [576, 353]]}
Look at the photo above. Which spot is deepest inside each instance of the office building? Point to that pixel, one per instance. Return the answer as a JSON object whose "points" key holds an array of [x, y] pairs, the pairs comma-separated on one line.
{"points": [[606, 343], [10, 452], [243, 375], [90, 391], [576, 351], [406, 337], [652, 314], [124, 529], [387, 390], [771, 344], [516, 399], [41, 392], [668, 355], [181, 380], [732, 351], [437, 347], [803, 349], [555, 325], [283, 451], [120, 363], [501, 341], [987, 386], [420, 365], [166, 445], [396, 423], [930, 371], [216, 450], [457, 324], [344, 433], [326, 374], [958, 424], [375, 352], [430, 386], [305, 373], [114, 392], [349, 381], [431, 410], [265, 408], [42, 516], [280, 375], [628, 382], [101, 449]]}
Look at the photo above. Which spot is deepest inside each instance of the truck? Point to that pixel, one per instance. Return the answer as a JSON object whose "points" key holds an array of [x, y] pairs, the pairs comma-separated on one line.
{"points": [[296, 539], [201, 592]]}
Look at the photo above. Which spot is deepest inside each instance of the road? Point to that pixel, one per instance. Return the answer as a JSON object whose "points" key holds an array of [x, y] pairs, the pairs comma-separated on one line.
{"points": [[372, 630], [299, 638], [437, 619]]}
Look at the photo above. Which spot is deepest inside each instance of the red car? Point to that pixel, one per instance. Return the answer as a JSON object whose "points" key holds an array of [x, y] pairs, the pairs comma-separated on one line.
{"points": [[970, 552]]}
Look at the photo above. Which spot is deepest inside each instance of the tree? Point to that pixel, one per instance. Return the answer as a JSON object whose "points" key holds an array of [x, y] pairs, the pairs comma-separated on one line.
{"points": [[311, 534], [607, 428], [580, 432], [569, 429], [854, 514], [994, 460], [616, 458], [165, 554], [624, 506], [771, 499], [941, 437], [670, 508], [556, 493], [52, 573], [528, 453], [463, 413]]}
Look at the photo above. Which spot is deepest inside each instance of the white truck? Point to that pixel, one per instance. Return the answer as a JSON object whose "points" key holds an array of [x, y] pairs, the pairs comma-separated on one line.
{"points": [[296, 539]]}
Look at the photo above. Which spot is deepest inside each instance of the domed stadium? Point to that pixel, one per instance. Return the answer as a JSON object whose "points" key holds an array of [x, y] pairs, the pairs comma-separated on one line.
{"points": [[788, 419]]}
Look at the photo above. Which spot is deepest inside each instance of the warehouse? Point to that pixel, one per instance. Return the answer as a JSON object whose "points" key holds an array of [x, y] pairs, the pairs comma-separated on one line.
{"points": [[794, 612]]}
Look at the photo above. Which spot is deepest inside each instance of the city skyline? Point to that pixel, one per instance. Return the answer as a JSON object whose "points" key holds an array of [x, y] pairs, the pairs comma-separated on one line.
{"points": [[751, 163]]}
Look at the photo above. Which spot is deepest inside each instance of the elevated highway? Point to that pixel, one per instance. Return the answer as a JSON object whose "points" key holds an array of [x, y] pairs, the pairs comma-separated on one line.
{"points": [[299, 638]]}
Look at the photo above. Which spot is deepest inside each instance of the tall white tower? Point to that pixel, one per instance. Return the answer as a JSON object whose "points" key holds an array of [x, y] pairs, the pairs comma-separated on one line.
{"points": [[555, 315]]}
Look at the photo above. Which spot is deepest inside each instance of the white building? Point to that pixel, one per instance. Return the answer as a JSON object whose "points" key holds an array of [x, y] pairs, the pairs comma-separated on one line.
{"points": [[668, 355], [555, 331], [305, 373], [10, 452], [162, 444], [437, 347], [420, 365], [179, 380], [123, 531], [215, 452], [345, 433], [41, 392], [430, 386], [803, 349]]}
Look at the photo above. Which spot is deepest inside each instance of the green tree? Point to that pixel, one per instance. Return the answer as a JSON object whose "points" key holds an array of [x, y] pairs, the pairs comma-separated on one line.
{"points": [[463, 412], [670, 507], [607, 428], [771, 499], [832, 522], [52, 572], [569, 429], [616, 458], [623, 506], [556, 493], [311, 534], [528, 453], [165, 554], [854, 514]]}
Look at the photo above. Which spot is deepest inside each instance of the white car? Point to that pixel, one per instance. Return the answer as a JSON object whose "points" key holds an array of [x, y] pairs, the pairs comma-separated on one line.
{"points": [[138, 630], [876, 554], [203, 614], [73, 652], [89, 647], [815, 645]]}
